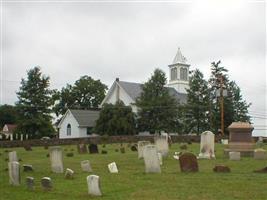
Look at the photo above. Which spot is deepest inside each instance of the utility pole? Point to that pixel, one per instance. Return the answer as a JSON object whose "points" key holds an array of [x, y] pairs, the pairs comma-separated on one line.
{"points": [[222, 104]]}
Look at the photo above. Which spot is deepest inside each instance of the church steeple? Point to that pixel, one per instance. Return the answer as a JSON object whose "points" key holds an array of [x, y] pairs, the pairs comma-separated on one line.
{"points": [[179, 71]]}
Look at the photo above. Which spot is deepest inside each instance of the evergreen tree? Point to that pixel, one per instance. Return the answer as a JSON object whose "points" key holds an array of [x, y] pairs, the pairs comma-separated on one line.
{"points": [[116, 119], [197, 107], [34, 105], [157, 108]]}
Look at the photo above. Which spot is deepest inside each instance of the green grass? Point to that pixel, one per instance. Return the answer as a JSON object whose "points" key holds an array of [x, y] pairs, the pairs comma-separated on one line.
{"points": [[132, 182]]}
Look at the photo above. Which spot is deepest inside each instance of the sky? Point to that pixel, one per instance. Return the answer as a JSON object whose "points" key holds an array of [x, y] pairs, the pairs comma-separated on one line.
{"points": [[129, 39]]}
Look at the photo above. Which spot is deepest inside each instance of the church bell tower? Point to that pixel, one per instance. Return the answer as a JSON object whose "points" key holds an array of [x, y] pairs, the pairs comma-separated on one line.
{"points": [[179, 71]]}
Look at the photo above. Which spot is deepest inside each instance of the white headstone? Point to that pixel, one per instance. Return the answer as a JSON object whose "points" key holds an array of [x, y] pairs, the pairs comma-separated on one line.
{"points": [[14, 173], [56, 159], [13, 156], [207, 145], [160, 158], [69, 174], [86, 166], [46, 183], [140, 146], [224, 141], [162, 145], [113, 168], [234, 155], [93, 185], [152, 163]]}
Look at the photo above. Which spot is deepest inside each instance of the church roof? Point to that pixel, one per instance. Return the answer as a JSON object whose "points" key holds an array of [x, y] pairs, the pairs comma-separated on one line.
{"points": [[179, 58], [134, 91]]}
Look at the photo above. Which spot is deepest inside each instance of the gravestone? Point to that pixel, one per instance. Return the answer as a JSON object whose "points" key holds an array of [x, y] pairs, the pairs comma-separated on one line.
{"points": [[46, 183], [81, 148], [207, 145], [112, 167], [188, 162], [221, 168], [234, 155], [85, 165], [224, 141], [14, 173], [93, 148], [27, 168], [162, 145], [93, 182], [56, 159], [27, 147], [140, 146], [13, 156], [134, 147], [240, 139], [160, 158], [30, 183], [69, 174], [260, 154], [151, 159], [122, 150]]}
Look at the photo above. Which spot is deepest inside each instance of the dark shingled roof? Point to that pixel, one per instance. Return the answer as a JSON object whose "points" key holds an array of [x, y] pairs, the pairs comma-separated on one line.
{"points": [[134, 90], [86, 118]]}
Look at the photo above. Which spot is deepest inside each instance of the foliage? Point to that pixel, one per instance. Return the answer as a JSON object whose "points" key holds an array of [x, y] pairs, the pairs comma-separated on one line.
{"points": [[8, 115], [34, 105], [157, 109], [86, 93], [115, 119]]}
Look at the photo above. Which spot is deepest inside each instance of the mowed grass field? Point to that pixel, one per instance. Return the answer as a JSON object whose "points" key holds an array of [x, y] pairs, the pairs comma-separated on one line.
{"points": [[132, 183]]}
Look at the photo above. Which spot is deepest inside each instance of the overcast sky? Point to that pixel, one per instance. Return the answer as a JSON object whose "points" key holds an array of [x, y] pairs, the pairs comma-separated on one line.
{"points": [[129, 40]]}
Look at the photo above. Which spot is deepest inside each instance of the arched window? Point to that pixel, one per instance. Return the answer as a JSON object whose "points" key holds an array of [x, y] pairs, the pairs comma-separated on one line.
{"points": [[174, 73], [183, 74], [68, 129]]}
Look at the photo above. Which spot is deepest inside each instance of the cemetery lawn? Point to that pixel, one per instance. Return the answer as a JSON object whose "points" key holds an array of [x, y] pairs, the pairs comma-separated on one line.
{"points": [[132, 182]]}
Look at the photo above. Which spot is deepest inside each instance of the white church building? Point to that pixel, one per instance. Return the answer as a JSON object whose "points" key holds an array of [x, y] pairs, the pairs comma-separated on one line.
{"points": [[128, 92]]}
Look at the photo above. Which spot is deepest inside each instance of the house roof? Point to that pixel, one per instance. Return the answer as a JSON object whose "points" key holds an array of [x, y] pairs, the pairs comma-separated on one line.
{"points": [[10, 127], [134, 91], [86, 118]]}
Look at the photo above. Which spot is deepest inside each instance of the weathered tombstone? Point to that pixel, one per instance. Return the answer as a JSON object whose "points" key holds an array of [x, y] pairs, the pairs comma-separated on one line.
{"points": [[122, 150], [113, 168], [160, 158], [69, 174], [27, 168], [27, 147], [30, 183], [13, 156], [85, 165], [224, 141], [56, 159], [93, 183], [81, 148], [221, 168], [188, 162], [46, 183], [140, 146], [234, 155], [151, 159], [134, 147], [207, 145], [14, 173], [240, 139], [260, 154], [93, 148], [162, 145]]}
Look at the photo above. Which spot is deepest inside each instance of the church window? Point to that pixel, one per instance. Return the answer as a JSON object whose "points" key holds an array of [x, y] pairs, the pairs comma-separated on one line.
{"points": [[173, 73], [68, 129], [183, 74]]}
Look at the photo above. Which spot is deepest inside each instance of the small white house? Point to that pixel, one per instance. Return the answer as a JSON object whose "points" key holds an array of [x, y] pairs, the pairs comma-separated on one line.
{"points": [[77, 123]]}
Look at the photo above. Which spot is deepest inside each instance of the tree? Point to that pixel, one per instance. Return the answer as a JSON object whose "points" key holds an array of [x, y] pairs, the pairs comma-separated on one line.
{"points": [[197, 107], [8, 115], [157, 108], [34, 105], [86, 93], [115, 119]]}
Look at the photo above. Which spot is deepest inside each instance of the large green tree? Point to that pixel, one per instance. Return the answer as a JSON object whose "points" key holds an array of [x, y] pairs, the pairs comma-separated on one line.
{"points": [[157, 109], [116, 119], [196, 110], [8, 115], [86, 93], [34, 105]]}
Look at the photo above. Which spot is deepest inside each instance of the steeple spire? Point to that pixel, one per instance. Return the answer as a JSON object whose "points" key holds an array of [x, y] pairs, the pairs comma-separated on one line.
{"points": [[179, 58]]}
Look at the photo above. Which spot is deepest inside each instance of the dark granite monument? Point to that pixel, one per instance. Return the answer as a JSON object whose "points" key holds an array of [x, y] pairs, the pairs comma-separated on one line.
{"points": [[188, 162]]}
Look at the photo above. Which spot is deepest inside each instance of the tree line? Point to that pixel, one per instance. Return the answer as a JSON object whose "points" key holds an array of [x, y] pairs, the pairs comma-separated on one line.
{"points": [[158, 110]]}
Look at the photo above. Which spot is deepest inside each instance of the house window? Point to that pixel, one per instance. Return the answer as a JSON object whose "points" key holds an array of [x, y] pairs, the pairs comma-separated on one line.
{"points": [[174, 73], [183, 74], [68, 129], [89, 130]]}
